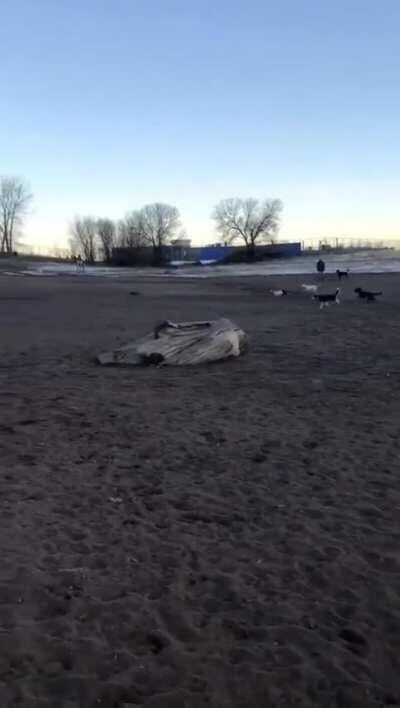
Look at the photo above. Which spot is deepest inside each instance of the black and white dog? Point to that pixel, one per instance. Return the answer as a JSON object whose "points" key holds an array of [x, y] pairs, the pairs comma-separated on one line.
{"points": [[342, 273], [325, 300], [367, 294]]}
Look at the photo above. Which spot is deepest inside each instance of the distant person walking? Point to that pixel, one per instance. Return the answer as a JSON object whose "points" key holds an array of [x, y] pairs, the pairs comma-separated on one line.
{"points": [[80, 264], [321, 267]]}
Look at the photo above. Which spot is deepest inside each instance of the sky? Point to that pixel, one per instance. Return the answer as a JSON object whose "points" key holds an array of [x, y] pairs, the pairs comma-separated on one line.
{"points": [[109, 105]]}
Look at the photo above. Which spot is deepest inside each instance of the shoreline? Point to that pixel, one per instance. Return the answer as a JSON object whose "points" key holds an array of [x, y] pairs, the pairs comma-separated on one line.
{"points": [[361, 262]]}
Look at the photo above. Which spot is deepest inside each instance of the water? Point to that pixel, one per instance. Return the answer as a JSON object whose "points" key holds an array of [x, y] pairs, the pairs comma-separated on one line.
{"points": [[373, 261]]}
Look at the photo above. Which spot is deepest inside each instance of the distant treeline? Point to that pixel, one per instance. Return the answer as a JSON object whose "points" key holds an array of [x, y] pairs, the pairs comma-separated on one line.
{"points": [[247, 221]]}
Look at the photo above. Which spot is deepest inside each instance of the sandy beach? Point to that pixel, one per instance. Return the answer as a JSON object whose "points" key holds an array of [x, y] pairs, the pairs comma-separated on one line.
{"points": [[217, 537]]}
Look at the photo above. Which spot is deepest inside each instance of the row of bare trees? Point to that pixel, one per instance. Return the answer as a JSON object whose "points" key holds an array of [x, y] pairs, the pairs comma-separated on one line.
{"points": [[249, 221], [15, 198], [154, 225]]}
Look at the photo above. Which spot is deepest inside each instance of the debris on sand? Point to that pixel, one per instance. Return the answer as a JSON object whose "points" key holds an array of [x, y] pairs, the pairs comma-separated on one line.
{"points": [[181, 344]]}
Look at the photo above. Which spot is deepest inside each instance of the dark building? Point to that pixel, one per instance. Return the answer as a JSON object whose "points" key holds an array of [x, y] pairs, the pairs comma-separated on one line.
{"points": [[180, 252]]}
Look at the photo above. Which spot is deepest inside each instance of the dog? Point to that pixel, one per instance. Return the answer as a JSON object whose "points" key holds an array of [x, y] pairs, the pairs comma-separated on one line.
{"points": [[278, 293], [310, 288], [342, 273], [325, 300], [367, 294]]}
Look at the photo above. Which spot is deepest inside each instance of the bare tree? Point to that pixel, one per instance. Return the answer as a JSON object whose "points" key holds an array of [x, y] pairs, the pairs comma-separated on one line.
{"points": [[83, 237], [15, 197], [249, 220], [130, 231], [106, 232], [74, 248], [159, 223]]}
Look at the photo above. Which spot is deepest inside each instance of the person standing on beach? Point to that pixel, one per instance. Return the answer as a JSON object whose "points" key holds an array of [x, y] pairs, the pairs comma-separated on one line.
{"points": [[321, 267], [80, 264]]}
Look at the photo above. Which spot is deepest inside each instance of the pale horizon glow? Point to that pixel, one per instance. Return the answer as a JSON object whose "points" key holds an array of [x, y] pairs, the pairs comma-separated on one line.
{"points": [[114, 105]]}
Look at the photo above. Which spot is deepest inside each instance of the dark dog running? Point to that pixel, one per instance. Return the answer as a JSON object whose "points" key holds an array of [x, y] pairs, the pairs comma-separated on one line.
{"points": [[342, 273], [325, 300], [367, 294]]}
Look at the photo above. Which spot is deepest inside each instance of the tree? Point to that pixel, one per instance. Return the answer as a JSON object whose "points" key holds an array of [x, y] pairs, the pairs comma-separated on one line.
{"points": [[158, 224], [249, 220], [130, 231], [15, 197], [83, 241], [106, 232]]}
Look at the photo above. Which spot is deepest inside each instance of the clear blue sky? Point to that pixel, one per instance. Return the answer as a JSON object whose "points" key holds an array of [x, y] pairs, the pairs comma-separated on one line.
{"points": [[107, 105]]}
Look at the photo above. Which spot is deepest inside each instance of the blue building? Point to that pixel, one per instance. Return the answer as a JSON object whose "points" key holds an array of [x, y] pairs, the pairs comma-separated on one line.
{"points": [[219, 253]]}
